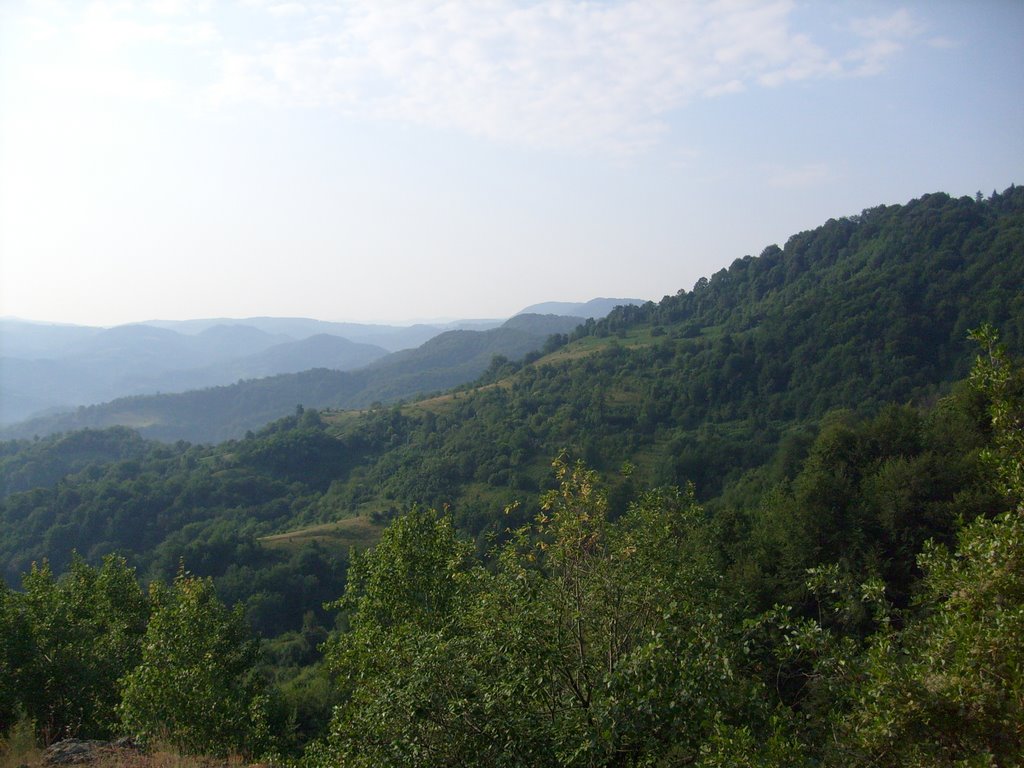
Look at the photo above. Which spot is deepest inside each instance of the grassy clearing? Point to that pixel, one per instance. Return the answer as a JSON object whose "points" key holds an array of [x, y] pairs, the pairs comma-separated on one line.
{"points": [[337, 418], [591, 345], [360, 532], [438, 403], [135, 420]]}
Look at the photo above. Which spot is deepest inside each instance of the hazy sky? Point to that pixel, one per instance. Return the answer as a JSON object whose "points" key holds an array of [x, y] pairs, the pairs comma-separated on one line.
{"points": [[374, 160]]}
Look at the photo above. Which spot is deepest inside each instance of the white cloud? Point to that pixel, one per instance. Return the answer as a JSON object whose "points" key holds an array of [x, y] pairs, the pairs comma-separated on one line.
{"points": [[177, 7], [899, 24], [604, 77], [287, 9], [884, 37]]}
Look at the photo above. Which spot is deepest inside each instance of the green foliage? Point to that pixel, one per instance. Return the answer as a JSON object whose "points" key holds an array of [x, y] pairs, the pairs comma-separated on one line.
{"points": [[410, 576], [949, 689], [1002, 383], [12, 650], [305, 698], [589, 643], [206, 506], [867, 496], [26, 465], [196, 687], [75, 636], [939, 681], [399, 596]]}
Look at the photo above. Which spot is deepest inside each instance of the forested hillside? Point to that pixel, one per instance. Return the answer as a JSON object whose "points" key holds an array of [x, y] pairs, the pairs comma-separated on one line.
{"points": [[699, 388], [750, 565]]}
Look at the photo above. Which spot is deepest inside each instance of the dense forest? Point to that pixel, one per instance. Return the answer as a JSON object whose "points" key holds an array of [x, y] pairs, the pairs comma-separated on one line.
{"points": [[782, 527]]}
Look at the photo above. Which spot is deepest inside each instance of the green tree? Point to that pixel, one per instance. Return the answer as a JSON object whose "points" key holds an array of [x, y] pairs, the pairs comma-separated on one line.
{"points": [[586, 643], [949, 689], [12, 652], [941, 681], [401, 661], [79, 634], [196, 687]]}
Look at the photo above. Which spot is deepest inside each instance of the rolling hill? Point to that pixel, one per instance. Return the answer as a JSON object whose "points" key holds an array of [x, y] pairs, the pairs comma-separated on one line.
{"points": [[706, 385]]}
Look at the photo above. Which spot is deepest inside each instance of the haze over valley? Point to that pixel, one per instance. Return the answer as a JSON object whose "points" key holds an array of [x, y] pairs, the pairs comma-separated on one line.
{"points": [[49, 368]]}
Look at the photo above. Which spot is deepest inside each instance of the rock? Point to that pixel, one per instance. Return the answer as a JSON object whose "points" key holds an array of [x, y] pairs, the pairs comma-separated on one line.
{"points": [[72, 752]]}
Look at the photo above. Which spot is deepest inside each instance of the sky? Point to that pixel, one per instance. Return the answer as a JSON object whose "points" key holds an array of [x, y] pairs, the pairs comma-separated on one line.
{"points": [[379, 161]]}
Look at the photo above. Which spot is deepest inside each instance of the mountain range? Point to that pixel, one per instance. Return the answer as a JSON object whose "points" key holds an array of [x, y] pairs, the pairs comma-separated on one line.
{"points": [[45, 369]]}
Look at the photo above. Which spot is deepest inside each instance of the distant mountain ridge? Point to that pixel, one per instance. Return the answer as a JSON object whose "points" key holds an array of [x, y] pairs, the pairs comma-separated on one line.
{"points": [[390, 337], [96, 365], [595, 308], [225, 411], [47, 368]]}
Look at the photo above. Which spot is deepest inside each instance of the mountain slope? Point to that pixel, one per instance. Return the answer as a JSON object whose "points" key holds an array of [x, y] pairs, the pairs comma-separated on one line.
{"points": [[319, 351], [219, 413], [54, 368], [698, 388], [49, 368], [29, 340], [855, 314]]}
